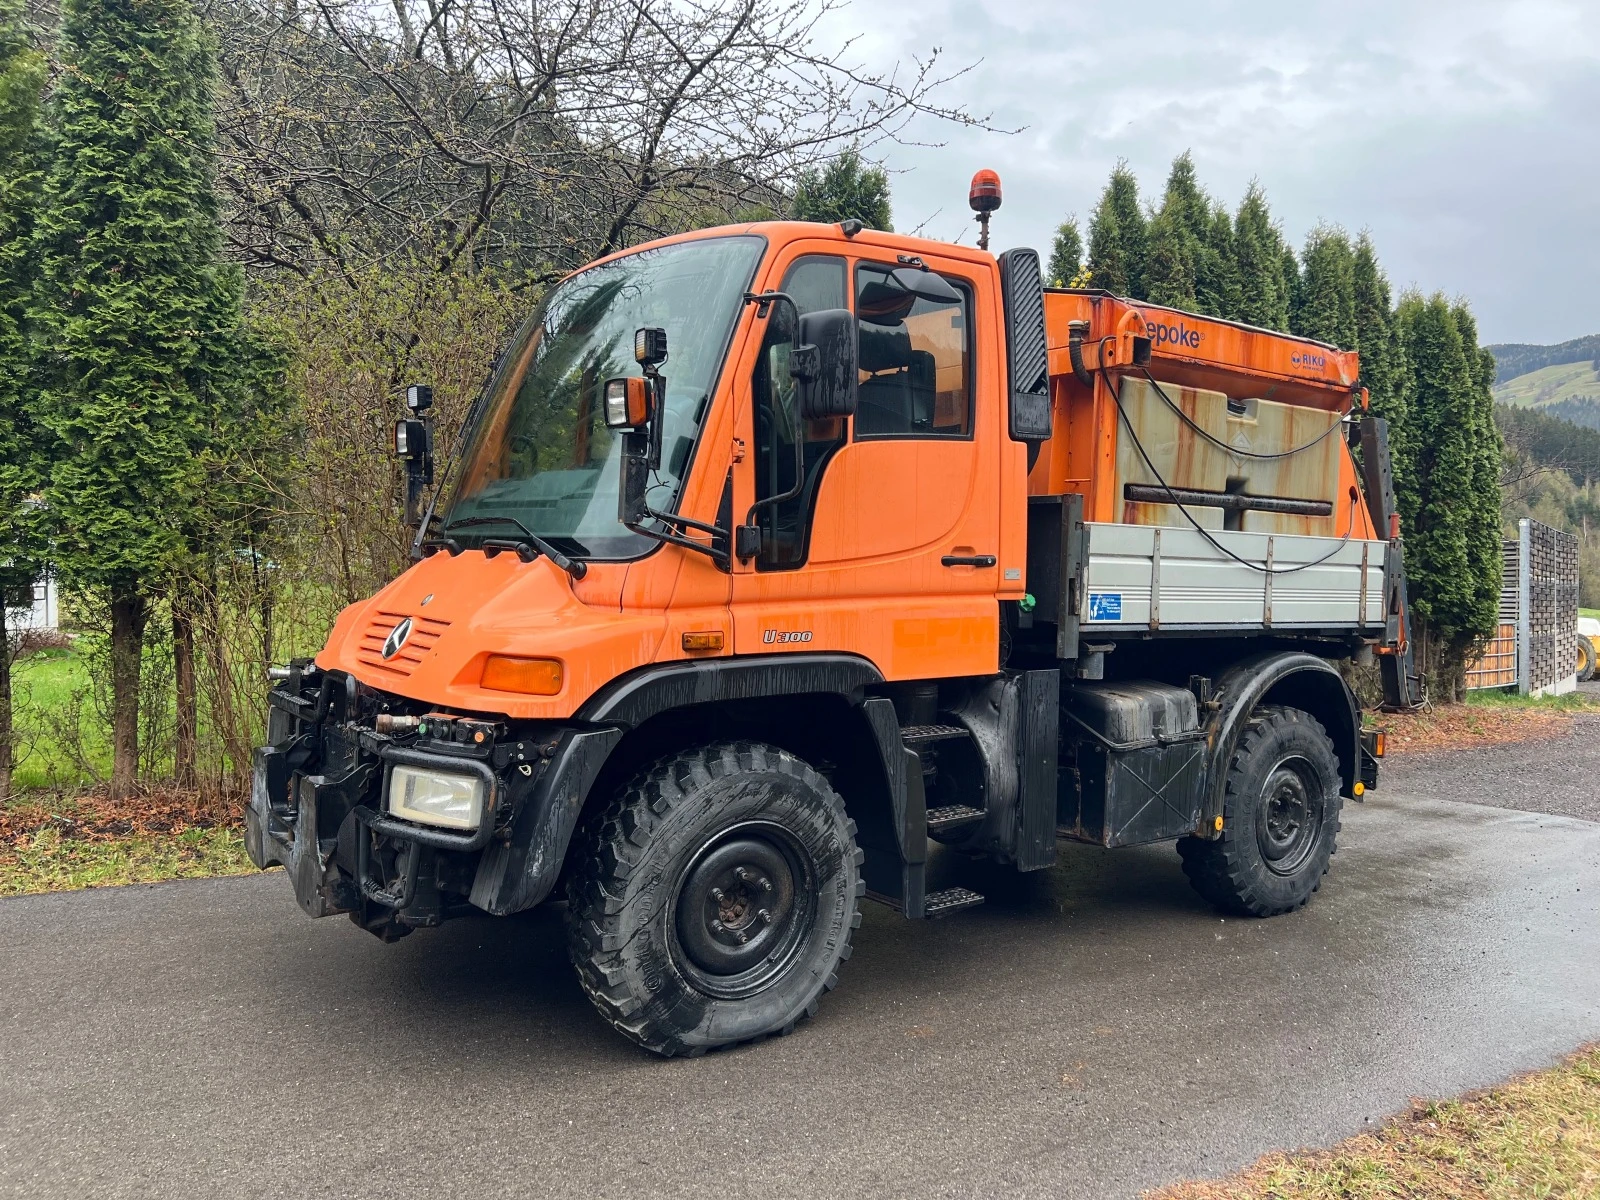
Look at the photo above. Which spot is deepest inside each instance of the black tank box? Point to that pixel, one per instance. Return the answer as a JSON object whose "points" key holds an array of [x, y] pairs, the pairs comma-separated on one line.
{"points": [[1132, 762]]}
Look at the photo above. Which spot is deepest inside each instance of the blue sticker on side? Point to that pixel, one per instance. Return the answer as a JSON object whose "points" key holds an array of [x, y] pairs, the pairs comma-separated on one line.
{"points": [[1105, 606]]}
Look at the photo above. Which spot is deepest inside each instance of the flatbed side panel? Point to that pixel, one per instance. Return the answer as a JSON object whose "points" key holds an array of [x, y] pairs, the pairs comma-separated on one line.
{"points": [[1156, 577]]}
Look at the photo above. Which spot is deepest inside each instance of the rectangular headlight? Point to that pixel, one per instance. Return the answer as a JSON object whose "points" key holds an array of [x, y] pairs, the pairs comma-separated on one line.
{"points": [[435, 798]]}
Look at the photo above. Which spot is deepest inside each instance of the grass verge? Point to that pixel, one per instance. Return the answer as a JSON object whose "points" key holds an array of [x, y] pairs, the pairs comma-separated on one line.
{"points": [[1537, 1136], [55, 843]]}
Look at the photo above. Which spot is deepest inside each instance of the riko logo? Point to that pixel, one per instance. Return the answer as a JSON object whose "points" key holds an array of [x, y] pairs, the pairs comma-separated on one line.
{"points": [[1311, 362], [782, 635], [1175, 335], [397, 638]]}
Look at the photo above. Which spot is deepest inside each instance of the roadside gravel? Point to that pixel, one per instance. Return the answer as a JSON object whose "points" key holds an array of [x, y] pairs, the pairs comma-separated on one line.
{"points": [[1559, 775]]}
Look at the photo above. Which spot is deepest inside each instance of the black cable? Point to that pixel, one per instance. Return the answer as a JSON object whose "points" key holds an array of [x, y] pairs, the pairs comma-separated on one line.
{"points": [[1218, 442], [1261, 568]]}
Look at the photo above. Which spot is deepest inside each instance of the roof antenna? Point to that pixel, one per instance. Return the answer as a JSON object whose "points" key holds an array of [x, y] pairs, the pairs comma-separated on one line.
{"points": [[983, 199]]}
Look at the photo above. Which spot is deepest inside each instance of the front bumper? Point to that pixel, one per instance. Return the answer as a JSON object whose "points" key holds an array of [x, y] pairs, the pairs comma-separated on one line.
{"points": [[317, 807]]}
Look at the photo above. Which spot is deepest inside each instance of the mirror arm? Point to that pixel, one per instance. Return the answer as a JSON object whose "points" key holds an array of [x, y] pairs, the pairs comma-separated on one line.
{"points": [[765, 301]]}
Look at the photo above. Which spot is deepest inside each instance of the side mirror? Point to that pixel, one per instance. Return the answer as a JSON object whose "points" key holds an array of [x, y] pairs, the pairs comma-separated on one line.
{"points": [[413, 445], [825, 364]]}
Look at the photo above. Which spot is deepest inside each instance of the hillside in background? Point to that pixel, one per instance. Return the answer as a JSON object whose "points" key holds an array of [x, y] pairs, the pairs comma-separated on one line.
{"points": [[1555, 384], [1552, 474], [1515, 358]]}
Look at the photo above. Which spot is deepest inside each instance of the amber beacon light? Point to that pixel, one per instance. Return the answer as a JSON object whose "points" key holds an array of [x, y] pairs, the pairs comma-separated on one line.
{"points": [[983, 197]]}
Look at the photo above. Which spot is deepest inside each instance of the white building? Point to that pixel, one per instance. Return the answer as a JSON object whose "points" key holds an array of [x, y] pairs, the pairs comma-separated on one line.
{"points": [[43, 615]]}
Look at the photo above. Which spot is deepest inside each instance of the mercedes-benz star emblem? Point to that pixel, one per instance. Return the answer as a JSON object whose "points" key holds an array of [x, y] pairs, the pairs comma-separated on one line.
{"points": [[397, 638]]}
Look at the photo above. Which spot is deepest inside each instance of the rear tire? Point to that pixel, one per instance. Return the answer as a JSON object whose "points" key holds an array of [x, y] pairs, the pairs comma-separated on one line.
{"points": [[714, 899], [1585, 659], [1280, 819]]}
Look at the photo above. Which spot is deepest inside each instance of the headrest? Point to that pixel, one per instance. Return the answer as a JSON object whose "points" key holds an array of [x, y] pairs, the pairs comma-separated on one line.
{"points": [[883, 349], [884, 303]]}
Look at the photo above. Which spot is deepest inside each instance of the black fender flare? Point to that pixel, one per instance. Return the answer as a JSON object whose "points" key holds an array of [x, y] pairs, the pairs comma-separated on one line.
{"points": [[1295, 678], [520, 872], [634, 698]]}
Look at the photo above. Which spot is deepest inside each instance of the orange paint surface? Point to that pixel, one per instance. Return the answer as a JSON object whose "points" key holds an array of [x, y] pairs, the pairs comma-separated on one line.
{"points": [[886, 512]]}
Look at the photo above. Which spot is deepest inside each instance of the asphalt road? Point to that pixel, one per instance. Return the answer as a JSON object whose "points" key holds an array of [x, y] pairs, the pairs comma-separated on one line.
{"points": [[1091, 1031], [1556, 775]]}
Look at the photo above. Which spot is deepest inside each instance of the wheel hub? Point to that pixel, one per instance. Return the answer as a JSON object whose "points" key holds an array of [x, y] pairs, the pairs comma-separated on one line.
{"points": [[1291, 816], [738, 906]]}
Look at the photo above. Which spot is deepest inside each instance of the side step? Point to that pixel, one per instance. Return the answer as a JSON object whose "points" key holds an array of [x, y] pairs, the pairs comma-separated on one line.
{"points": [[948, 900], [937, 904], [921, 735], [952, 816]]}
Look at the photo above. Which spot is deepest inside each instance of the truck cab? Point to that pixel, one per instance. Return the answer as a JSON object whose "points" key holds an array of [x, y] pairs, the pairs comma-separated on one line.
{"points": [[771, 555]]}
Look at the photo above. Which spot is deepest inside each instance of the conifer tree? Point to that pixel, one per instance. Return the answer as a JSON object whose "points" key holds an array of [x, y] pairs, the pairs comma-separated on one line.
{"points": [[1483, 534], [1108, 263], [1184, 197], [846, 189], [1327, 308], [1217, 285], [1259, 251], [22, 76], [1291, 286], [1383, 367], [1169, 274], [1066, 256], [136, 317], [1117, 236], [1440, 558]]}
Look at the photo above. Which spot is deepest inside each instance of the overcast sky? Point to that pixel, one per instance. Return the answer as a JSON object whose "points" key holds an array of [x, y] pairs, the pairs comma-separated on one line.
{"points": [[1464, 135]]}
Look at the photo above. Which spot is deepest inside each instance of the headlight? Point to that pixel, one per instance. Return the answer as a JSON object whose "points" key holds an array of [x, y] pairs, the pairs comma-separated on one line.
{"points": [[434, 798]]}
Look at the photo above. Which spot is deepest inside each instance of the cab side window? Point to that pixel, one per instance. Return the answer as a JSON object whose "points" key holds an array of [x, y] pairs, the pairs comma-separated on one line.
{"points": [[815, 282], [915, 360]]}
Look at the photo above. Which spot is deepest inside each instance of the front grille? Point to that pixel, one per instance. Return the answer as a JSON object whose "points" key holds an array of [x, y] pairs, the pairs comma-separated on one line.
{"points": [[425, 633]]}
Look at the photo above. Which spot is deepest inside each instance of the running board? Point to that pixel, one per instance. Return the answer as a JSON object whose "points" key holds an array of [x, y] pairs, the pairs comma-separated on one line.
{"points": [[921, 735], [937, 904], [952, 816]]}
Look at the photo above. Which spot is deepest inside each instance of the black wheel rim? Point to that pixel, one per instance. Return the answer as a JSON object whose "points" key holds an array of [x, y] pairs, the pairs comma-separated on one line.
{"points": [[744, 909], [1291, 816]]}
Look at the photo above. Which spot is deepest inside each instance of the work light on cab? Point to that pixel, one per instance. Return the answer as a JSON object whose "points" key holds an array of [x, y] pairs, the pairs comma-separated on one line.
{"points": [[650, 346]]}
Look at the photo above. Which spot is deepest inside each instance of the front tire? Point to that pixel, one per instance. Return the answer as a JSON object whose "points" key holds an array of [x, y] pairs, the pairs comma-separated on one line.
{"points": [[714, 899], [1280, 814]]}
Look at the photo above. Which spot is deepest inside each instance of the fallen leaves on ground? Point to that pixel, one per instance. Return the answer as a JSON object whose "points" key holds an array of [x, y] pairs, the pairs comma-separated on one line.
{"points": [[52, 843], [1537, 1136], [1463, 726]]}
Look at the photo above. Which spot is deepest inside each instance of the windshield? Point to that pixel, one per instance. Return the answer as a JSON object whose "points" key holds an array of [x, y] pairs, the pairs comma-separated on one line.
{"points": [[540, 453]]}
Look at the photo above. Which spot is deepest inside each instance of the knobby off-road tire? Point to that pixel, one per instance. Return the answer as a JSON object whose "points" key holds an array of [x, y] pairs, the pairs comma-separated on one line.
{"points": [[1280, 819], [714, 898]]}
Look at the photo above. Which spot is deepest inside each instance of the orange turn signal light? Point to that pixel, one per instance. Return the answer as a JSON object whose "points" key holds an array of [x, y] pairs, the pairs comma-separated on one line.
{"points": [[531, 676], [1379, 743], [703, 641]]}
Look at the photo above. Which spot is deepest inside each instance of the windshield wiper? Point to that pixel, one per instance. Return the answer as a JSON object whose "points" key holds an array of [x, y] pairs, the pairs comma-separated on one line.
{"points": [[574, 567]]}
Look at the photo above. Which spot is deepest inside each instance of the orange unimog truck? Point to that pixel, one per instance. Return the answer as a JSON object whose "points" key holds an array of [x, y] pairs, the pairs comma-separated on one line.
{"points": [[771, 554]]}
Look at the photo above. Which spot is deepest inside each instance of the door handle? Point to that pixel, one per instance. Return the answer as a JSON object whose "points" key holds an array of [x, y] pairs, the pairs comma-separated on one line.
{"points": [[969, 560]]}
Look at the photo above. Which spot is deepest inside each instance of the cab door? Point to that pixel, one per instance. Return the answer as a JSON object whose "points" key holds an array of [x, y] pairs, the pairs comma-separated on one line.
{"points": [[889, 547]]}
